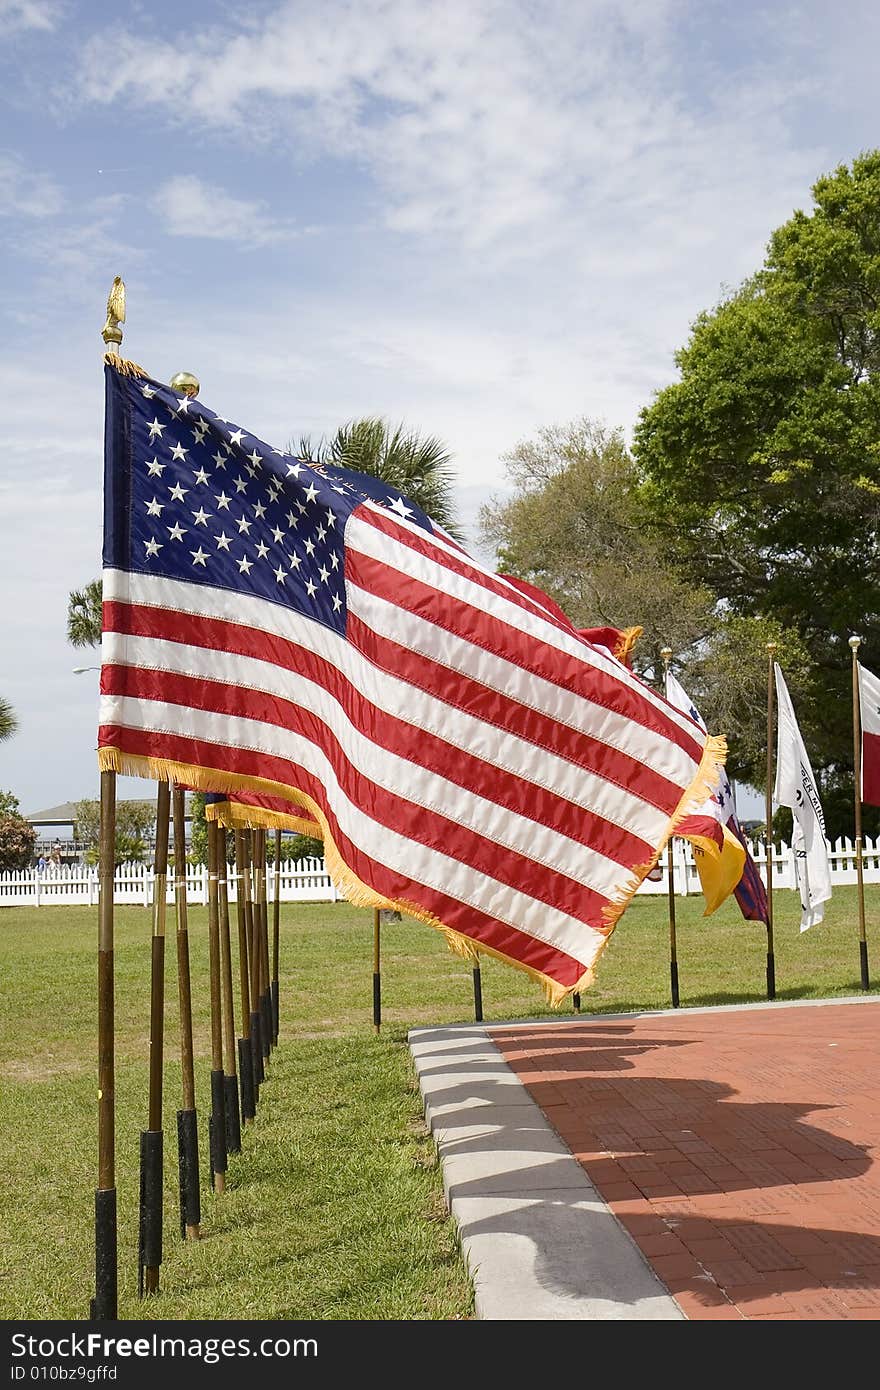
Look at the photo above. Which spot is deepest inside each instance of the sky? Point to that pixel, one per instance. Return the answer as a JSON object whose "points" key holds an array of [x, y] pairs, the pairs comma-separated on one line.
{"points": [[476, 217]]}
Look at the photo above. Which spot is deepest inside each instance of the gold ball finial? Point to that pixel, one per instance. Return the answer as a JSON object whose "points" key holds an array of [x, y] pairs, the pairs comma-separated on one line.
{"points": [[666, 653], [854, 643], [772, 647], [185, 383]]}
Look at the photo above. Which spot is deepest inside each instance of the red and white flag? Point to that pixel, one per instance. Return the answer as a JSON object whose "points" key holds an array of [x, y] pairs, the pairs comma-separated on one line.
{"points": [[869, 718], [307, 633]]}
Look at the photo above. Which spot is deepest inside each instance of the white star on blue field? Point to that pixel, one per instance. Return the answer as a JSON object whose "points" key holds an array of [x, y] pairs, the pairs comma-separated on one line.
{"points": [[476, 219]]}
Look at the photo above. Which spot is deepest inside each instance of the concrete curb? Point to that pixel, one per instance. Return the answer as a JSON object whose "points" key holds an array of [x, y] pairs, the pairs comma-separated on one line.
{"points": [[539, 1241]]}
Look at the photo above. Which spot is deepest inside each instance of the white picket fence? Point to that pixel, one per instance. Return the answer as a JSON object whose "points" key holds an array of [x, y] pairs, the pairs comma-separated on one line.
{"points": [[305, 880]]}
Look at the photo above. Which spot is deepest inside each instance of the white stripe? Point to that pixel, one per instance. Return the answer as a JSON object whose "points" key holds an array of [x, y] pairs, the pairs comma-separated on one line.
{"points": [[400, 700], [408, 858], [869, 700], [368, 540], [393, 773], [616, 731]]}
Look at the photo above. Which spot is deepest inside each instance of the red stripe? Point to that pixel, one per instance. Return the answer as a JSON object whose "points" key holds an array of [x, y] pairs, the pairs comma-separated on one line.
{"points": [[501, 639], [707, 826], [461, 917], [434, 753], [388, 808], [546, 733], [871, 768]]}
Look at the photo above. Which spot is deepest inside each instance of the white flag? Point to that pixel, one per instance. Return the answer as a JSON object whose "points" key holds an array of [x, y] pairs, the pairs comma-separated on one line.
{"points": [[796, 787]]}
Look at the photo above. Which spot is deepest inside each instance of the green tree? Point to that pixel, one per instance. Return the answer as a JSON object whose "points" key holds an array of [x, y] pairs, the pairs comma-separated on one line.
{"points": [[198, 829], [8, 804], [17, 839], [419, 466], [574, 526], [84, 615], [135, 824], [763, 460]]}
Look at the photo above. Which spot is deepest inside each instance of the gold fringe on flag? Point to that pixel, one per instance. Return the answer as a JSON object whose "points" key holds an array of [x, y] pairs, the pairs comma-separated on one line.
{"points": [[701, 788], [123, 366], [346, 880], [238, 815]]}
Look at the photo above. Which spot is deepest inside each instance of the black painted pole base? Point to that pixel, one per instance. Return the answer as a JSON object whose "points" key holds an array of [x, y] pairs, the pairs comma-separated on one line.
{"points": [[103, 1307], [217, 1127], [246, 1079], [576, 1002], [188, 1170], [259, 1072], [771, 975], [233, 1115], [478, 995], [266, 1019], [150, 1234], [673, 982], [863, 961], [275, 1003], [377, 1001]]}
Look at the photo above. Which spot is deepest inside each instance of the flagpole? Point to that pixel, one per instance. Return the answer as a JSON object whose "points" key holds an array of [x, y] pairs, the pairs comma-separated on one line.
{"points": [[217, 1119], [104, 1304], [257, 1069], [230, 1070], [276, 921], [263, 921], [478, 993], [666, 654], [150, 1244], [377, 978], [187, 1119], [854, 644], [768, 815], [245, 1056]]}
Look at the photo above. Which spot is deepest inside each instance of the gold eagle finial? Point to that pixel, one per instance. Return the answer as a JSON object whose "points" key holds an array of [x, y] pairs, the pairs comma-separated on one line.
{"points": [[111, 332]]}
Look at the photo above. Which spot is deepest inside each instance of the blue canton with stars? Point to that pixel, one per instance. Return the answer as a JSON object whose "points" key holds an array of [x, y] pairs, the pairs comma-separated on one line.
{"points": [[190, 496]]}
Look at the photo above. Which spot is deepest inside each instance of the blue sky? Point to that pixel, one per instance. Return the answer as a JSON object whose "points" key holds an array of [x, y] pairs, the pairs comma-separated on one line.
{"points": [[478, 217]]}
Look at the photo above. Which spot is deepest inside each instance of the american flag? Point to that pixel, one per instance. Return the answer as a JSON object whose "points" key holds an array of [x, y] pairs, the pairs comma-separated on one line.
{"points": [[247, 810], [307, 633]]}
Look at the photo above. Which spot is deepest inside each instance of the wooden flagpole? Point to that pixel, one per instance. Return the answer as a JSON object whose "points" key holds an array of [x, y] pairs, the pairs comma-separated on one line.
{"points": [[768, 816], [276, 924], [217, 1122], [187, 1119], [854, 644], [256, 1028], [104, 1304], [150, 1241], [245, 1057], [666, 654], [262, 924], [230, 1070]]}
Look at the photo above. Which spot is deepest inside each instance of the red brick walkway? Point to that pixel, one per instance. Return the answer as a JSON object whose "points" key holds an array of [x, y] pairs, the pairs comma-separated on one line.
{"points": [[741, 1149]]}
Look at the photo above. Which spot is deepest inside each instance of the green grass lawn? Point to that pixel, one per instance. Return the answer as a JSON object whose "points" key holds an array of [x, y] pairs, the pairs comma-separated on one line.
{"points": [[334, 1209]]}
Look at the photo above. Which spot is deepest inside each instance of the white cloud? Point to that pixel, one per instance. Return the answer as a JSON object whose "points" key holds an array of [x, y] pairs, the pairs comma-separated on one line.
{"points": [[192, 208], [26, 193], [19, 15]]}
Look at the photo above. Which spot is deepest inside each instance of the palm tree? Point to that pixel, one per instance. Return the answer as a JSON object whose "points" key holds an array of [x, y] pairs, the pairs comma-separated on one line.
{"points": [[84, 616], [417, 466], [8, 720]]}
